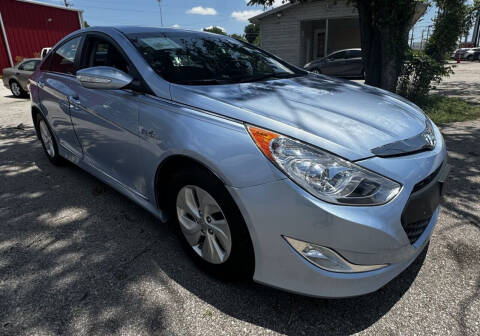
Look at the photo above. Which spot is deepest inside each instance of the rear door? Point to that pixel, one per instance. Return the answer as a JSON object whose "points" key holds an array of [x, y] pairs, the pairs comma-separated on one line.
{"points": [[353, 63], [335, 64], [55, 88]]}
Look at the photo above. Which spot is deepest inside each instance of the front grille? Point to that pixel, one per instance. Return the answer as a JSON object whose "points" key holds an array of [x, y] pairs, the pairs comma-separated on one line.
{"points": [[421, 205], [427, 180], [415, 230]]}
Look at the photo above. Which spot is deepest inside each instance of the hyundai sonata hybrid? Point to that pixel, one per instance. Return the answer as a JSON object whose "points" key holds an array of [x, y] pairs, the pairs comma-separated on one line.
{"points": [[303, 182]]}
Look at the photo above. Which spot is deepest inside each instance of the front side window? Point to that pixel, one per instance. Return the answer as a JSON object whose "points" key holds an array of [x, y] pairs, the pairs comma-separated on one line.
{"points": [[194, 59], [63, 58], [103, 53], [29, 65]]}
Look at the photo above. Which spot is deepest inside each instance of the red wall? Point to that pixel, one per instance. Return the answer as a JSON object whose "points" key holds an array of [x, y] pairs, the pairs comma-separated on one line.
{"points": [[31, 27]]}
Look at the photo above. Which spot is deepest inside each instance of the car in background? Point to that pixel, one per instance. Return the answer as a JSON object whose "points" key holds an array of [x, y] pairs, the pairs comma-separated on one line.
{"points": [[469, 54], [472, 54], [341, 63], [16, 78], [44, 52]]}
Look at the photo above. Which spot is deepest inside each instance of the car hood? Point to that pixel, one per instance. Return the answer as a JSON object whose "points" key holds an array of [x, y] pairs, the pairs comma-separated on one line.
{"points": [[340, 116]]}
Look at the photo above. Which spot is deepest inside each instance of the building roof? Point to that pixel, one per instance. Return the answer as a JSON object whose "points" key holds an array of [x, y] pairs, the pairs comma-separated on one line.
{"points": [[272, 11], [50, 5]]}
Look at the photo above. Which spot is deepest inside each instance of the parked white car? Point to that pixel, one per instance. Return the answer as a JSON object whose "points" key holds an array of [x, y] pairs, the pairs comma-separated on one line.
{"points": [[44, 52]]}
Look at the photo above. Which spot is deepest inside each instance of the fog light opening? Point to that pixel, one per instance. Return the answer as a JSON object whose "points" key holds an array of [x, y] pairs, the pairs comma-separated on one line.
{"points": [[328, 259]]}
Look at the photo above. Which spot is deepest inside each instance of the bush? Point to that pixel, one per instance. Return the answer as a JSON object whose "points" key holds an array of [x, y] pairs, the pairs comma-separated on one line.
{"points": [[420, 74]]}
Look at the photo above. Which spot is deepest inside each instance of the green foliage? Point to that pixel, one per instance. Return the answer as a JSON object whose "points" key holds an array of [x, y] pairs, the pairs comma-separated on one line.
{"points": [[443, 109], [420, 74], [252, 32], [85, 24], [215, 30], [426, 68], [238, 37]]}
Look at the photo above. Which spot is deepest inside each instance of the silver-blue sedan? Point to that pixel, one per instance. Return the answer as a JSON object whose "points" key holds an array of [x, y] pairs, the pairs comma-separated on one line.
{"points": [[306, 183]]}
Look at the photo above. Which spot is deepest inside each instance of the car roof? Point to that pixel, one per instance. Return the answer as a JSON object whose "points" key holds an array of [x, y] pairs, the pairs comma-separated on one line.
{"points": [[139, 29], [354, 49]]}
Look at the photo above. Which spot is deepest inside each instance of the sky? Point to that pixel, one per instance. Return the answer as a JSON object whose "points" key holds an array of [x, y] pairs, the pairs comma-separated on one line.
{"points": [[231, 15]]}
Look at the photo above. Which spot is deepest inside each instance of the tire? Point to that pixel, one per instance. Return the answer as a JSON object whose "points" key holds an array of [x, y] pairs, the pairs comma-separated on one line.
{"points": [[470, 58], [17, 90], [204, 231], [48, 141]]}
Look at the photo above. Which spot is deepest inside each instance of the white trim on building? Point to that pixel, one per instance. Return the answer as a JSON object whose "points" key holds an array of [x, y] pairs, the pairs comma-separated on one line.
{"points": [[7, 45], [50, 5]]}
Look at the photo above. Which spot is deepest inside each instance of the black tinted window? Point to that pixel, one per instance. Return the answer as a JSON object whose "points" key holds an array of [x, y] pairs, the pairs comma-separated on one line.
{"points": [[190, 58], [338, 55], [102, 53], [354, 54], [63, 58]]}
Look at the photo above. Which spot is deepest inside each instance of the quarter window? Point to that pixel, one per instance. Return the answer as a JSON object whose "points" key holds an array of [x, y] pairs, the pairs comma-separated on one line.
{"points": [[63, 58]]}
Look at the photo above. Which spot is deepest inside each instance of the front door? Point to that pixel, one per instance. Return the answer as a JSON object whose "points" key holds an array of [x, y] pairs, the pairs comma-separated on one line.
{"points": [[106, 121]]}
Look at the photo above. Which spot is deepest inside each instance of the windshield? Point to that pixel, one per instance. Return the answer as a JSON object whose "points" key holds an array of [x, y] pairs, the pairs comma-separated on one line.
{"points": [[204, 59]]}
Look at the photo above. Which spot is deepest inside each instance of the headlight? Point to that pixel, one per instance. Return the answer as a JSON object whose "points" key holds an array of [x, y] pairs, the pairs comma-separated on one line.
{"points": [[324, 175]]}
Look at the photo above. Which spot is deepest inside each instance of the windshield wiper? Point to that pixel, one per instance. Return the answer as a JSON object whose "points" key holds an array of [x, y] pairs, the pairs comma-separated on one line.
{"points": [[208, 81], [261, 77]]}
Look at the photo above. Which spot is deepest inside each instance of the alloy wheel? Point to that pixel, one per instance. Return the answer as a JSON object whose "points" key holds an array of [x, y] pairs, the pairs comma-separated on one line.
{"points": [[46, 138], [16, 90], [203, 224]]}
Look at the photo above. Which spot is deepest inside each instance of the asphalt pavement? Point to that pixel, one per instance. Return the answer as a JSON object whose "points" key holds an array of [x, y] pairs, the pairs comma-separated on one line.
{"points": [[77, 258]]}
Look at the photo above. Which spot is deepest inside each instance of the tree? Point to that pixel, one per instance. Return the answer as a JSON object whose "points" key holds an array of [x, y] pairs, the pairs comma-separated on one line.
{"points": [[215, 30], [428, 67], [384, 28], [238, 37], [252, 32]]}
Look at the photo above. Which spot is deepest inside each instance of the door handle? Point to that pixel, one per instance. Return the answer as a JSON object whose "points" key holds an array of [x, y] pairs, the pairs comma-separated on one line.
{"points": [[17, 73], [74, 101]]}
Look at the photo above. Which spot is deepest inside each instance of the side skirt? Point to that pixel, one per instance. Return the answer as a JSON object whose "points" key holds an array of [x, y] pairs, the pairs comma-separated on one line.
{"points": [[118, 186]]}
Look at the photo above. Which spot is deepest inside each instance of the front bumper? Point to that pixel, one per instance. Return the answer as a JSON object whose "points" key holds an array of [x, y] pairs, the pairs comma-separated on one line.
{"points": [[362, 235]]}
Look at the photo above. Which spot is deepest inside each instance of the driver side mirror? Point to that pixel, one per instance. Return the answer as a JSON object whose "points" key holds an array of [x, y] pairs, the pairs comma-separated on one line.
{"points": [[103, 77]]}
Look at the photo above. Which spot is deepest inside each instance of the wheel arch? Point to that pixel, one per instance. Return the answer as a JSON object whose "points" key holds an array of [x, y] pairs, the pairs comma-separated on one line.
{"points": [[168, 166]]}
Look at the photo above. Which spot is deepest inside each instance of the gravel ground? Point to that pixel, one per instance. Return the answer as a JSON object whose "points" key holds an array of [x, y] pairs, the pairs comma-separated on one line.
{"points": [[78, 258]]}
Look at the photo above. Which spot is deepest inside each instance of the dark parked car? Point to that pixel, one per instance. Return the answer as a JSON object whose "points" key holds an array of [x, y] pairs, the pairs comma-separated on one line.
{"points": [[16, 78], [342, 63]]}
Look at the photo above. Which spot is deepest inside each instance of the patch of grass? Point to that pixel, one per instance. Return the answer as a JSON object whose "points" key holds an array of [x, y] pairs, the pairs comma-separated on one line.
{"points": [[442, 109]]}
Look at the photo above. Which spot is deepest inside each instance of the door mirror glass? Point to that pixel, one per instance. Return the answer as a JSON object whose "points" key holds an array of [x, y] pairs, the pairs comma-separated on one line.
{"points": [[103, 77]]}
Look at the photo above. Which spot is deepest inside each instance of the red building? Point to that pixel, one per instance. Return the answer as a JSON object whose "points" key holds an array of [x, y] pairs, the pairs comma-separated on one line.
{"points": [[26, 27]]}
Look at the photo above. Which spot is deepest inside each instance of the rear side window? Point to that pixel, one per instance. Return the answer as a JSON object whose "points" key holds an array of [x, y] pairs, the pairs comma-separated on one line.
{"points": [[29, 66], [354, 54], [63, 58], [338, 55]]}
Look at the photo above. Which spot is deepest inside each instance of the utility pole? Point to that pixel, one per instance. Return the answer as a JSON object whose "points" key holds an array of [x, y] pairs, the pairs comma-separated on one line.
{"points": [[161, 15], [476, 31], [411, 38], [428, 32], [421, 40]]}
